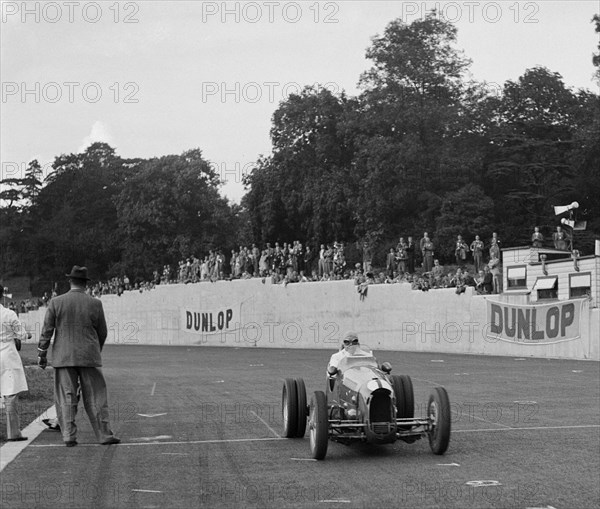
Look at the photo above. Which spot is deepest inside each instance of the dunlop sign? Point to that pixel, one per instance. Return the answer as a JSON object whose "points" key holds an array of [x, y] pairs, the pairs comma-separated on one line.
{"points": [[534, 323], [209, 321]]}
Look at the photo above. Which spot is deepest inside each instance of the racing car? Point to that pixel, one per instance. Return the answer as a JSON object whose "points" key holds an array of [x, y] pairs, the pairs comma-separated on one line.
{"points": [[364, 402]]}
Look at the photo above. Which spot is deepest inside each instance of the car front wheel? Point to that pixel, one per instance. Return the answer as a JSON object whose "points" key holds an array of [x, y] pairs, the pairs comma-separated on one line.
{"points": [[438, 412], [318, 425]]}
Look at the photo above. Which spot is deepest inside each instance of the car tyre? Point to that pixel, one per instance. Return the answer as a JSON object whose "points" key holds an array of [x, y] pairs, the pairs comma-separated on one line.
{"points": [[289, 408], [438, 411], [318, 425], [405, 397], [302, 408]]}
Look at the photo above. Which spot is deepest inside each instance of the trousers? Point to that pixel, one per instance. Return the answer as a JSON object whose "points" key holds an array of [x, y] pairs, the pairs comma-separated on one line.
{"points": [[95, 400], [13, 424]]}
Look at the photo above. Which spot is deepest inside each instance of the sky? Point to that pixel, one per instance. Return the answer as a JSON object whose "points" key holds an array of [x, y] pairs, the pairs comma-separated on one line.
{"points": [[153, 78]]}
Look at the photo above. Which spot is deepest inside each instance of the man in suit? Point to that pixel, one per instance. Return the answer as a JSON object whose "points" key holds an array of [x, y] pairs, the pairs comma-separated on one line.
{"points": [[79, 327]]}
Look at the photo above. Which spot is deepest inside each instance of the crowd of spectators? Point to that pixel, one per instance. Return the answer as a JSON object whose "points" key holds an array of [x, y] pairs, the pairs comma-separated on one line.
{"points": [[478, 265], [298, 263], [26, 305]]}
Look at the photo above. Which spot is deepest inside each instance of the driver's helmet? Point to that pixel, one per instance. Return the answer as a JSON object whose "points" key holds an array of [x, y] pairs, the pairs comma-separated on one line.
{"points": [[350, 341]]}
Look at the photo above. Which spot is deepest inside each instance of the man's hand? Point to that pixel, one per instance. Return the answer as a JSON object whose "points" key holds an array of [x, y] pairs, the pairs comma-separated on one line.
{"points": [[42, 360]]}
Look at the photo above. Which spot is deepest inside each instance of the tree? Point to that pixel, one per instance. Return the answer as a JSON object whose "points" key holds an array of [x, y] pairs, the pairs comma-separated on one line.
{"points": [[467, 212], [170, 208], [408, 129], [75, 213], [528, 161], [300, 191]]}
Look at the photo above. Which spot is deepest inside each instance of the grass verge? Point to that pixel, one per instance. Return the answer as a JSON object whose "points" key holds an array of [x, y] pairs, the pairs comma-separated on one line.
{"points": [[41, 390]]}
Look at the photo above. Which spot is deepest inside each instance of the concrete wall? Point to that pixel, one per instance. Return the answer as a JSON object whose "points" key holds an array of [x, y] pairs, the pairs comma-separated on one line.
{"points": [[315, 315]]}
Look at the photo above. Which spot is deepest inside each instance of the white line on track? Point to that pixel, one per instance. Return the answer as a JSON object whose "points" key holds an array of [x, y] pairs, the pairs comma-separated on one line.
{"points": [[271, 439], [148, 491], [267, 425], [153, 389], [188, 442], [526, 429], [335, 501]]}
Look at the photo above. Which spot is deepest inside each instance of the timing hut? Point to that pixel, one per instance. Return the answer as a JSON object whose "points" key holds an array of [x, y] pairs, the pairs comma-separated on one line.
{"points": [[544, 274]]}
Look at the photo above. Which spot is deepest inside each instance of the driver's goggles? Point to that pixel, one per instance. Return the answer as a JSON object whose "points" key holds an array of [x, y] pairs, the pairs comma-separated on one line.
{"points": [[351, 342]]}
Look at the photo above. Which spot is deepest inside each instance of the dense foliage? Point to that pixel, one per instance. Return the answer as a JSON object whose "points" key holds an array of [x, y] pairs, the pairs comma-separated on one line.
{"points": [[421, 148]]}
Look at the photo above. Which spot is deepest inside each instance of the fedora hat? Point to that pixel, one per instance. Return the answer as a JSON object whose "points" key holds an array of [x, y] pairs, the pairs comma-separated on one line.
{"points": [[78, 272]]}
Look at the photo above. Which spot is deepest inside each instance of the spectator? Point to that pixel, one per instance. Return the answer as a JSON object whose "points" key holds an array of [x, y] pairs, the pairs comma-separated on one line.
{"points": [[321, 266], [391, 263], [460, 251], [329, 259], [479, 279], [437, 273], [77, 323], [495, 247], [367, 253], [494, 266], [477, 249], [309, 260], [402, 256], [488, 280], [560, 239], [410, 256], [12, 374], [537, 239], [427, 246]]}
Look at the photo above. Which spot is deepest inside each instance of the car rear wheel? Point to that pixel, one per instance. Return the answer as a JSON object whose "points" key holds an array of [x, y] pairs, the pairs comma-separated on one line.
{"points": [[289, 408], [302, 407], [438, 412], [405, 398], [318, 425]]}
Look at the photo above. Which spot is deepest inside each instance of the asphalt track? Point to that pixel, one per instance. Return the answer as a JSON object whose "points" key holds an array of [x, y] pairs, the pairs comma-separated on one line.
{"points": [[200, 428]]}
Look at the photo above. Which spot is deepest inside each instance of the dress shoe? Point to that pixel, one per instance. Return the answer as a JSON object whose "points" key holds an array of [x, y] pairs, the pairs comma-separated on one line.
{"points": [[19, 439], [71, 443], [53, 426], [111, 441]]}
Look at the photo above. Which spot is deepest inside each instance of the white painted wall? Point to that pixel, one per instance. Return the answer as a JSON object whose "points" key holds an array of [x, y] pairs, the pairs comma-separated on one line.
{"points": [[315, 315]]}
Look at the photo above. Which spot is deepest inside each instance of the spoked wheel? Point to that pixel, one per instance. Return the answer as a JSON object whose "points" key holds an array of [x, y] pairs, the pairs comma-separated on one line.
{"points": [[438, 411], [302, 408], [318, 425], [289, 408], [405, 398]]}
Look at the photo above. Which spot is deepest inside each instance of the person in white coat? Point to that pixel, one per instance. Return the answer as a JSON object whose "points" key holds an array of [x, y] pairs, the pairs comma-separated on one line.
{"points": [[12, 374]]}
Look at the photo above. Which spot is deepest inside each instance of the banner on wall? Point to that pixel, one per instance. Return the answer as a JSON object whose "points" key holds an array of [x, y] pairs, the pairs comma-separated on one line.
{"points": [[210, 321], [534, 323]]}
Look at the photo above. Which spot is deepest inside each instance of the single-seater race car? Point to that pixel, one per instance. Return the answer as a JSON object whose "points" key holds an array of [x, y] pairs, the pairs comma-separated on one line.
{"points": [[363, 401]]}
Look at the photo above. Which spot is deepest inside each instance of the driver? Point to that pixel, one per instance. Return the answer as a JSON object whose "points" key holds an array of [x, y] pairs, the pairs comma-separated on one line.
{"points": [[349, 346]]}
